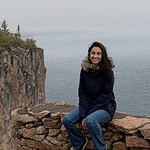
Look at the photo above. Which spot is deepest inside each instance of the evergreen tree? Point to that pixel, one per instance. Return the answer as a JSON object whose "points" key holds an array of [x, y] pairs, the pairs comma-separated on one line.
{"points": [[18, 31], [4, 27], [4, 41]]}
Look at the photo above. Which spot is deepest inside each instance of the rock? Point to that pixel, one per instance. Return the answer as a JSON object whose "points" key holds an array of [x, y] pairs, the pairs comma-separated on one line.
{"points": [[23, 148], [145, 131], [60, 103], [27, 133], [24, 118], [41, 130], [33, 144], [134, 141], [90, 145], [119, 146], [108, 144], [107, 135], [116, 137], [129, 124], [54, 132], [40, 114], [38, 137], [54, 141], [33, 124], [55, 115], [51, 123], [135, 148]]}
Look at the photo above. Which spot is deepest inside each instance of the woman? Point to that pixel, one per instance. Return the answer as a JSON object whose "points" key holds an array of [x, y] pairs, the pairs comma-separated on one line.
{"points": [[96, 99]]}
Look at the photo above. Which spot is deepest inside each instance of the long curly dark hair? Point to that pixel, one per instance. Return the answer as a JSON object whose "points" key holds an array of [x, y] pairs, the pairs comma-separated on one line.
{"points": [[106, 63]]}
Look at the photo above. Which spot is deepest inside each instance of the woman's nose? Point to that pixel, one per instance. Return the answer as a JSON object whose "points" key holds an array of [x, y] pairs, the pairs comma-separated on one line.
{"points": [[95, 55]]}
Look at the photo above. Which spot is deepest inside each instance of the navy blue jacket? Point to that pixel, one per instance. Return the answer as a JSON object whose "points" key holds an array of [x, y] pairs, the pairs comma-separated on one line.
{"points": [[95, 92]]}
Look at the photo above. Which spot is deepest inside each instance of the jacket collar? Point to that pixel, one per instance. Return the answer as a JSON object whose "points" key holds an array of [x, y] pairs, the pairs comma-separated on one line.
{"points": [[86, 65]]}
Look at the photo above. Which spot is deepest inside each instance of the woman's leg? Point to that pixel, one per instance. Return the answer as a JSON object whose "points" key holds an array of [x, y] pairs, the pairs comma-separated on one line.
{"points": [[70, 120], [93, 122]]}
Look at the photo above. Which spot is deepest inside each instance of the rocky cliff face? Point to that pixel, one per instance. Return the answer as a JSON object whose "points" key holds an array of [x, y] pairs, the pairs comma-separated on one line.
{"points": [[22, 84]]}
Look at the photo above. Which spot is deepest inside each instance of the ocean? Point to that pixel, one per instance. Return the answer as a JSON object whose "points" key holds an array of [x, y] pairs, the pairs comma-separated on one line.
{"points": [[130, 50]]}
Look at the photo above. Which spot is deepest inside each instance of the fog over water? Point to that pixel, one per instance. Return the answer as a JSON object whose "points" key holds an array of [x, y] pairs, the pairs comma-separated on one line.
{"points": [[49, 15]]}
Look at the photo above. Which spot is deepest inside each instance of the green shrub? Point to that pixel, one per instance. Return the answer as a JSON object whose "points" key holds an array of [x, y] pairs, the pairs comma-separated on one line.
{"points": [[9, 40]]}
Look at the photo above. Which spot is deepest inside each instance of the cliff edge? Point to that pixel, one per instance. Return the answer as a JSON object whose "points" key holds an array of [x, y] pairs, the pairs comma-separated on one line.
{"points": [[22, 84]]}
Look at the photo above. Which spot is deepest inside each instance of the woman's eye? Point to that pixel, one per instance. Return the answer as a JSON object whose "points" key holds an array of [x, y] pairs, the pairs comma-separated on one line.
{"points": [[93, 53], [98, 53]]}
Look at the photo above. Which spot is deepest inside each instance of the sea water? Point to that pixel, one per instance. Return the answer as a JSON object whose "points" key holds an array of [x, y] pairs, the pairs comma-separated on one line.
{"points": [[130, 50]]}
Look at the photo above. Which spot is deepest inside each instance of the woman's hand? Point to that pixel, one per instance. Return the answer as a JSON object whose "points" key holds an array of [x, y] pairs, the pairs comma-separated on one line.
{"points": [[83, 124]]}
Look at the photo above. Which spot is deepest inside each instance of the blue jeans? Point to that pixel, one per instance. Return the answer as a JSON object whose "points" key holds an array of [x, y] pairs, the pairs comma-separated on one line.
{"points": [[92, 121]]}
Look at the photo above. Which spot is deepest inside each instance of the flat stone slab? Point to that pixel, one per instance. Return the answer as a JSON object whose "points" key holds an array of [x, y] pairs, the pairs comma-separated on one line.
{"points": [[51, 107], [128, 124]]}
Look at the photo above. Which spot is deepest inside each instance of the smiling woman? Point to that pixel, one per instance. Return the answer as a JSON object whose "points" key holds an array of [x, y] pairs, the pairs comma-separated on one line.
{"points": [[95, 56], [96, 99]]}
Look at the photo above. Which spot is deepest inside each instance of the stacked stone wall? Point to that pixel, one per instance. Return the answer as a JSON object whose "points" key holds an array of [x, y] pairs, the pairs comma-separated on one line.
{"points": [[41, 128]]}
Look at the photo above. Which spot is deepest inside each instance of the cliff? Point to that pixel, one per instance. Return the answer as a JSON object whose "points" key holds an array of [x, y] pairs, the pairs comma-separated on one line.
{"points": [[22, 84], [41, 128]]}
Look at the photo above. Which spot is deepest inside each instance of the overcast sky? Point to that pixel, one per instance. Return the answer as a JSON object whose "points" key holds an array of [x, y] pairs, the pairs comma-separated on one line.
{"points": [[75, 14]]}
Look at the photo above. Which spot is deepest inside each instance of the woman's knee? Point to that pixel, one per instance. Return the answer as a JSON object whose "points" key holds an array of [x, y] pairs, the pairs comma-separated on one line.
{"points": [[72, 117], [90, 122], [66, 119]]}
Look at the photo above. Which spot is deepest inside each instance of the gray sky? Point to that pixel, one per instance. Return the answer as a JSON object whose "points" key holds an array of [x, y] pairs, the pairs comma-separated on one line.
{"points": [[35, 15]]}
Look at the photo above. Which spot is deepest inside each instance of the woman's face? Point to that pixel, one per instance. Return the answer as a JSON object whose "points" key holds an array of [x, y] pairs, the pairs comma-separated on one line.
{"points": [[95, 56]]}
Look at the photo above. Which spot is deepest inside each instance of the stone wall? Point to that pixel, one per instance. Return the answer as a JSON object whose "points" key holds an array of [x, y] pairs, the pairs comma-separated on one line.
{"points": [[22, 84], [41, 128]]}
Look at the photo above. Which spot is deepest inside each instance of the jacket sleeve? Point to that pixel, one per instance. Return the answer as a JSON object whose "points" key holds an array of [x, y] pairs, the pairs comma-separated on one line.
{"points": [[106, 94], [83, 97]]}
